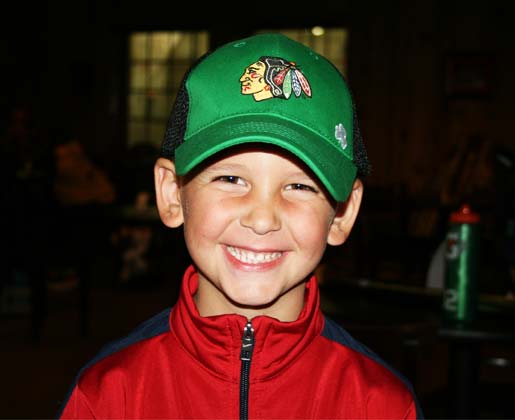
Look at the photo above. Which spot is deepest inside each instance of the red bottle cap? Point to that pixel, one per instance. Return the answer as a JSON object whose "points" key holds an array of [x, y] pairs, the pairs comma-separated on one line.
{"points": [[464, 215]]}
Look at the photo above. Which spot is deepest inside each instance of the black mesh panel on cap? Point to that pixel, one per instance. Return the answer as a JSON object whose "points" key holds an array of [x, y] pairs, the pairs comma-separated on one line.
{"points": [[359, 152], [176, 126]]}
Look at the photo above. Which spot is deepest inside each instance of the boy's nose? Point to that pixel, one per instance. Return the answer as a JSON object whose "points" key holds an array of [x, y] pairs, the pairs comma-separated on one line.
{"points": [[261, 215]]}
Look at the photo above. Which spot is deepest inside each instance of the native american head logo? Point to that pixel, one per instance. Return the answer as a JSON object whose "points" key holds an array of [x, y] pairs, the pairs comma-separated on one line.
{"points": [[274, 77]]}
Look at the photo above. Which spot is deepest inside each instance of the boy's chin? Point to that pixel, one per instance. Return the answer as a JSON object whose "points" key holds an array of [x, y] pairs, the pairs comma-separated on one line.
{"points": [[253, 301], [283, 306]]}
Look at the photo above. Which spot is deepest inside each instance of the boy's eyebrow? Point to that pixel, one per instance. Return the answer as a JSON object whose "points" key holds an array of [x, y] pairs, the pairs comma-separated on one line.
{"points": [[238, 167], [302, 174], [225, 167]]}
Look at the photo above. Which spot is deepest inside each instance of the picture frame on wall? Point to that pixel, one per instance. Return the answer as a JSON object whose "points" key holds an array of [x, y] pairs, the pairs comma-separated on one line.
{"points": [[468, 75]]}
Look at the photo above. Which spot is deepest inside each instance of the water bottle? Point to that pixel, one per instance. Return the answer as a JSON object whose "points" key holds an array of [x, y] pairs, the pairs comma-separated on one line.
{"points": [[461, 266]]}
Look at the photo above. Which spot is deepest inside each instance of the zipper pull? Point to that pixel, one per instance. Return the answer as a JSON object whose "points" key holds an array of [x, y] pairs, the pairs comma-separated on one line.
{"points": [[247, 342]]}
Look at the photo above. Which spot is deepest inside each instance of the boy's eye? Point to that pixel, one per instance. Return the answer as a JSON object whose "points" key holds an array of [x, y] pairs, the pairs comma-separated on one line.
{"points": [[230, 179], [301, 187]]}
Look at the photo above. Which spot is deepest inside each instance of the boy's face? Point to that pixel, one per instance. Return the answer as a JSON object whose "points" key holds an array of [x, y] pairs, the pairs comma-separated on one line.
{"points": [[256, 224]]}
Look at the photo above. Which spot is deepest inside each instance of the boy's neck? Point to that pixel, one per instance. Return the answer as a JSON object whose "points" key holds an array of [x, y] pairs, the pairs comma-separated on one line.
{"points": [[212, 302]]}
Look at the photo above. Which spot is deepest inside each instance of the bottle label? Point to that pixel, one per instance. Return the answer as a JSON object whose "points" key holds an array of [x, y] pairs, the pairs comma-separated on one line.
{"points": [[450, 300], [455, 245], [461, 256]]}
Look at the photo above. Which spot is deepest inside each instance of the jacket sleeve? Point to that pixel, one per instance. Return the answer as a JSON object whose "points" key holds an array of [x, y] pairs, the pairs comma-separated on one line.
{"points": [[393, 405], [412, 414], [97, 394], [77, 407]]}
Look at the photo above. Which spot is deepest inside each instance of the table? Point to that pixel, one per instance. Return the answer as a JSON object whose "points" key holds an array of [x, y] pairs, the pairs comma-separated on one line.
{"points": [[465, 341], [363, 304]]}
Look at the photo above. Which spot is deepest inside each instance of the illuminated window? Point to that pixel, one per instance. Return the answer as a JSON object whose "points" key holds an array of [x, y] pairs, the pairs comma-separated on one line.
{"points": [[157, 63], [329, 42]]}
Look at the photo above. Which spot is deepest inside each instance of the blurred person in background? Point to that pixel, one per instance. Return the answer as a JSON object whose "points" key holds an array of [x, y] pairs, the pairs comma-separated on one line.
{"points": [[83, 191]]}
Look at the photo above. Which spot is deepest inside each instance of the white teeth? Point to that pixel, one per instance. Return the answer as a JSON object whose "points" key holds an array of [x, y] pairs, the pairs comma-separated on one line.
{"points": [[250, 257]]}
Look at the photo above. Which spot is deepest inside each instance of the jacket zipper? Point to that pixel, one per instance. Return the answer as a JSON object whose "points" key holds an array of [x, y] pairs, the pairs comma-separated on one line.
{"points": [[247, 347]]}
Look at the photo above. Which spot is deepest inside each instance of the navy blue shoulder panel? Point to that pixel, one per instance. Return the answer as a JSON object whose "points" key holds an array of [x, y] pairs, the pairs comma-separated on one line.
{"points": [[335, 332], [152, 327]]}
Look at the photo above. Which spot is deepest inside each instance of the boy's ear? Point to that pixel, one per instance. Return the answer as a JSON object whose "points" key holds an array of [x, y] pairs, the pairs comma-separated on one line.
{"points": [[168, 196], [346, 213]]}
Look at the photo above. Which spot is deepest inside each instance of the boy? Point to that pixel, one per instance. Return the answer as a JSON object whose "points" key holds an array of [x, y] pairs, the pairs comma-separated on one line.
{"points": [[259, 164]]}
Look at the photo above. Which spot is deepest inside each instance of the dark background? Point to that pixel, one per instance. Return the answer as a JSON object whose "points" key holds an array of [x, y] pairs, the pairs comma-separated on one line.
{"points": [[68, 61], [433, 84]]}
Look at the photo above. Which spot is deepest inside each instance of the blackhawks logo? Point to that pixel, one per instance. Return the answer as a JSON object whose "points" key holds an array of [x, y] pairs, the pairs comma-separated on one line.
{"points": [[274, 77]]}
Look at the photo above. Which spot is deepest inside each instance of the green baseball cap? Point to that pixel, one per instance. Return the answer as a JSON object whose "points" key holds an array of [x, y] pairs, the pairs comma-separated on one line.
{"points": [[270, 89]]}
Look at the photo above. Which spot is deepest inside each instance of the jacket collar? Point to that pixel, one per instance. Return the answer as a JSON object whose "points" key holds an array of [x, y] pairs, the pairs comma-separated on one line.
{"points": [[215, 341]]}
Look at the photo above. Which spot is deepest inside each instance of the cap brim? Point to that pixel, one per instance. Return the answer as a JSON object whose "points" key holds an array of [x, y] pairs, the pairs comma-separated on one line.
{"points": [[331, 166]]}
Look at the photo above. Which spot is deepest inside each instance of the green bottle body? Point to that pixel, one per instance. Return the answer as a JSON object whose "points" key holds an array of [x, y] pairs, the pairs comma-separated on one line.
{"points": [[460, 296]]}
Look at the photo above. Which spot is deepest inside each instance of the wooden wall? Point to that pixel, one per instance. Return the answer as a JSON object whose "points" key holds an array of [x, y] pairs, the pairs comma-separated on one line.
{"points": [[68, 59]]}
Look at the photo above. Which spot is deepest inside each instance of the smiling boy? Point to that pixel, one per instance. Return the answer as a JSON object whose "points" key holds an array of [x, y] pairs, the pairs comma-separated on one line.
{"points": [[268, 224], [262, 183]]}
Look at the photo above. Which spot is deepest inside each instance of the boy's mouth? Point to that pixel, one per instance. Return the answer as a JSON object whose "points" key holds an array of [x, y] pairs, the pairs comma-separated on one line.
{"points": [[251, 257]]}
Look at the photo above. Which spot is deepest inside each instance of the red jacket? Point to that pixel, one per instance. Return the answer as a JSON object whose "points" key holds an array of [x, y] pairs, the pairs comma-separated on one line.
{"points": [[182, 365]]}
